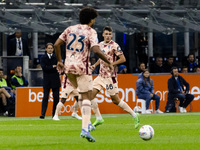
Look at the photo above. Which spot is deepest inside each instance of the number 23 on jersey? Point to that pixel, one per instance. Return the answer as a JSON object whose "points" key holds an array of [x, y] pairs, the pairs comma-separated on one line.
{"points": [[78, 39]]}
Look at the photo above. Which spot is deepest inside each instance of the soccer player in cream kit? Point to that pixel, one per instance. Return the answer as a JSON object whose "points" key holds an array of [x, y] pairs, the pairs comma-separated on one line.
{"points": [[80, 39], [108, 79]]}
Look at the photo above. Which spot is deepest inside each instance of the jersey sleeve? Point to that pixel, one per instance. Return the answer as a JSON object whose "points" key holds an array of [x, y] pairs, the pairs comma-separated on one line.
{"points": [[117, 50], [63, 36], [93, 39]]}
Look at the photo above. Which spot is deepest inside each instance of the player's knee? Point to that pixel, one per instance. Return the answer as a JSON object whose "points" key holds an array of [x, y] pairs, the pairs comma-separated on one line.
{"points": [[115, 99], [94, 104], [116, 102]]}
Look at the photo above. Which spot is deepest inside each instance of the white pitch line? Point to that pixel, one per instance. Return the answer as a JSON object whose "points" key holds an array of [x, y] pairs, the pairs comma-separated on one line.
{"points": [[104, 116]]}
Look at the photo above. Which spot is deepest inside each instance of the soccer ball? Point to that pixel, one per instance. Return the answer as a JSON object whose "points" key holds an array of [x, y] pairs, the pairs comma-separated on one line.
{"points": [[146, 132]]}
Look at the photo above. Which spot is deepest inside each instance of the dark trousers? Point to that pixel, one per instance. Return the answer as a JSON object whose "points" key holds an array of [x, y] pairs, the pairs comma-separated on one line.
{"points": [[185, 100], [46, 98], [148, 99]]}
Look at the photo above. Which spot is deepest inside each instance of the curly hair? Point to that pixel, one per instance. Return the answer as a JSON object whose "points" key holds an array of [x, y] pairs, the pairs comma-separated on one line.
{"points": [[86, 14]]}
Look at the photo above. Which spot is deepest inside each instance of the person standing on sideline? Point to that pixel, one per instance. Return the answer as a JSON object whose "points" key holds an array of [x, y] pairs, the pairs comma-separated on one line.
{"points": [[176, 90], [107, 79], [80, 39], [51, 79], [145, 90]]}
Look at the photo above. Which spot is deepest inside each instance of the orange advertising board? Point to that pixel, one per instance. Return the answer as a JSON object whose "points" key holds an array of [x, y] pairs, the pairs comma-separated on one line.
{"points": [[28, 100]]}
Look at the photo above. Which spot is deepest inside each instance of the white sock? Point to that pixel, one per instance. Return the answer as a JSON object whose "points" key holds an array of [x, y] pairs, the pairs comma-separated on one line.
{"points": [[86, 129], [95, 109], [99, 118], [86, 113], [58, 108], [75, 107], [126, 108]]}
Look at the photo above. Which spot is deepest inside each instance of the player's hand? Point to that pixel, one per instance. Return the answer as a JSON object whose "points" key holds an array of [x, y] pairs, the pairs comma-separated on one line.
{"points": [[183, 92], [20, 74], [54, 66], [60, 67], [111, 67], [92, 67], [151, 94]]}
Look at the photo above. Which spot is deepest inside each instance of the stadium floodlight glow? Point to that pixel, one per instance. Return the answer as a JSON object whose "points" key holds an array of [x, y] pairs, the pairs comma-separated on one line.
{"points": [[35, 4], [51, 31], [10, 31], [3, 11], [131, 31], [2, 3], [183, 19], [169, 31], [73, 4]]}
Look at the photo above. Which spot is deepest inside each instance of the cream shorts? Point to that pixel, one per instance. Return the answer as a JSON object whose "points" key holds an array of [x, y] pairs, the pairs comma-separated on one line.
{"points": [[110, 84]]}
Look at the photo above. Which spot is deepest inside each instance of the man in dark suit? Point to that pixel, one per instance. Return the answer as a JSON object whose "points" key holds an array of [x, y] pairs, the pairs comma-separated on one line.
{"points": [[176, 90], [51, 79], [18, 46]]}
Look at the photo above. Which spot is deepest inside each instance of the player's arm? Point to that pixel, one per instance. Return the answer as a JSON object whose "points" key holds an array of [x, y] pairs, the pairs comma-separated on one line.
{"points": [[95, 65], [100, 54], [57, 45], [121, 60]]}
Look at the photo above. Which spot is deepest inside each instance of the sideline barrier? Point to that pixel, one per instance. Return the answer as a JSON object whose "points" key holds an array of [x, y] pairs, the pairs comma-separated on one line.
{"points": [[28, 100]]}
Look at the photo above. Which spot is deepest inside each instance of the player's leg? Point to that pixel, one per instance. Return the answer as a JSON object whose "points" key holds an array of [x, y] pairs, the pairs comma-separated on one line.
{"points": [[112, 89], [97, 86], [58, 108], [86, 115], [95, 108], [80, 100], [76, 106], [67, 90], [84, 83], [117, 101]]}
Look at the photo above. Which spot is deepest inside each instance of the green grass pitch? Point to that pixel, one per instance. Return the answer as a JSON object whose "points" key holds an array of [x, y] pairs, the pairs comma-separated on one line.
{"points": [[173, 131]]}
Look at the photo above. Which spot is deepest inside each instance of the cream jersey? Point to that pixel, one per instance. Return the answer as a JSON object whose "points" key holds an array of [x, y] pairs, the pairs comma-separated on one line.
{"points": [[79, 39], [111, 50]]}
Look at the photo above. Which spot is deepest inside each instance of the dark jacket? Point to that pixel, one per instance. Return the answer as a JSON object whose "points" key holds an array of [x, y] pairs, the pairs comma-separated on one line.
{"points": [[142, 88], [167, 67], [173, 86], [156, 69], [51, 78], [191, 66], [12, 47], [140, 75]]}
